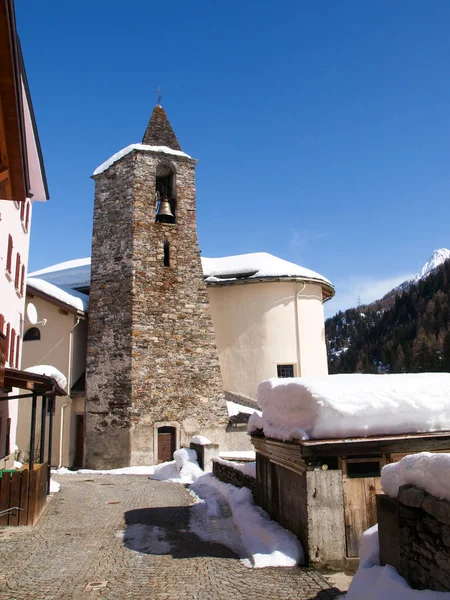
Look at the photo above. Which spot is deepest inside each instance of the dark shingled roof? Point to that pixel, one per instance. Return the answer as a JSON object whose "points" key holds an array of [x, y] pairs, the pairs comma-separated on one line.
{"points": [[159, 131]]}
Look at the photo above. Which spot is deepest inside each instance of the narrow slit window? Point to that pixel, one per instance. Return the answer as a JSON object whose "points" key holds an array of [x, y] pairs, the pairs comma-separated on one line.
{"points": [[167, 254], [285, 371]]}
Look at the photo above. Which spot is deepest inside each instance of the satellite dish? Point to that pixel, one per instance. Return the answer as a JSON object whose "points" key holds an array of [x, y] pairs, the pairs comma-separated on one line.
{"points": [[32, 315]]}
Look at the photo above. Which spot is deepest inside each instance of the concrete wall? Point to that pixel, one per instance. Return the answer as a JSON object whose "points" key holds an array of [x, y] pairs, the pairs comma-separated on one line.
{"points": [[261, 325], [62, 345]]}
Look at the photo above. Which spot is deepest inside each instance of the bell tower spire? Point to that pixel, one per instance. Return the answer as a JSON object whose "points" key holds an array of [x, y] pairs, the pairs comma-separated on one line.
{"points": [[159, 131]]}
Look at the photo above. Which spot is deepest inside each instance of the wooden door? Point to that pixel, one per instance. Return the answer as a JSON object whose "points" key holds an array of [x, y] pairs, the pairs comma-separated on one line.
{"points": [[360, 509], [166, 444], [80, 442]]}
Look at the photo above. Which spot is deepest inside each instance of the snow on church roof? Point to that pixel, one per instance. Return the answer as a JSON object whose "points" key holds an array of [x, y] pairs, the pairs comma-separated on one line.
{"points": [[145, 147], [64, 294], [225, 270], [256, 265]]}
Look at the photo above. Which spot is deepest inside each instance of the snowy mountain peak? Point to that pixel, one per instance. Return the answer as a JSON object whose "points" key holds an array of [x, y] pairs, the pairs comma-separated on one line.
{"points": [[438, 257]]}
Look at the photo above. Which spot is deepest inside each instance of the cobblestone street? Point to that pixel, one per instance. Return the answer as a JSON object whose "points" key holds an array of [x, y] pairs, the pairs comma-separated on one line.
{"points": [[78, 550]]}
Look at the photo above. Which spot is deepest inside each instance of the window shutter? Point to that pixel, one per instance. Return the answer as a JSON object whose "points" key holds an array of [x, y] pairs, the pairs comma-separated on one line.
{"points": [[9, 255], [17, 351], [17, 277], [22, 211], [27, 216], [22, 280], [12, 347], [7, 341], [2, 323]]}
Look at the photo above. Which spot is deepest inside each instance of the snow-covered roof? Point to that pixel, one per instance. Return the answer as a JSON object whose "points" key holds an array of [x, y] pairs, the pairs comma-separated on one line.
{"points": [[145, 147], [225, 270], [64, 294], [256, 265], [342, 406], [71, 273]]}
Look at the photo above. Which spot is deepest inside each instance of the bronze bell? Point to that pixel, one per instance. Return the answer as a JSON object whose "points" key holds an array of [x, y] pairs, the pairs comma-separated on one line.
{"points": [[165, 214]]}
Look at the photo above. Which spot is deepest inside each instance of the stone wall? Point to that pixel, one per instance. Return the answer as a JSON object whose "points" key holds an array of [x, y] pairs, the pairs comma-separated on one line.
{"points": [[414, 535], [228, 474]]}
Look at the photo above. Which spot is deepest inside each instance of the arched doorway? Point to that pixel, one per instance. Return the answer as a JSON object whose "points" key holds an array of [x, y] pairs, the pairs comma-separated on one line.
{"points": [[166, 443]]}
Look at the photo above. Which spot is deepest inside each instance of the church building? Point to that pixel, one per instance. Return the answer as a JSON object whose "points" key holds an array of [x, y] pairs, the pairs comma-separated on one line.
{"points": [[176, 344]]}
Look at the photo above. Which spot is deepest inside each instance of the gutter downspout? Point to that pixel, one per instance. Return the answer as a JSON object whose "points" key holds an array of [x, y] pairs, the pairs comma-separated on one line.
{"points": [[64, 406], [297, 332]]}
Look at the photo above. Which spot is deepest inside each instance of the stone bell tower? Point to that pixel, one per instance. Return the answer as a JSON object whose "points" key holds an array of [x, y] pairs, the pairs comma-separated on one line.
{"points": [[153, 375]]}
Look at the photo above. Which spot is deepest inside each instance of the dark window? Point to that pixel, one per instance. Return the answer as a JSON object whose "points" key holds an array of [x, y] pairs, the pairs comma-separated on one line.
{"points": [[17, 277], [371, 468], [12, 347], [167, 254], [31, 335], [285, 370]]}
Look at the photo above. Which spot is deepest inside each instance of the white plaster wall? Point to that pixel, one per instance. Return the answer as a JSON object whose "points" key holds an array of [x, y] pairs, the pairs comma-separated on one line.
{"points": [[261, 325], [62, 345], [11, 303]]}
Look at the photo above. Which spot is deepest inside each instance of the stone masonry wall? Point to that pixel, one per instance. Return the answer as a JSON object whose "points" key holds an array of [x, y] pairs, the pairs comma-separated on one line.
{"points": [[152, 359], [414, 534], [227, 474], [108, 361]]}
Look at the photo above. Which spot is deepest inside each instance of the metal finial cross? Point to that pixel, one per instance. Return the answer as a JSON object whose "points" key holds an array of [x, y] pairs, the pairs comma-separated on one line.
{"points": [[160, 93]]}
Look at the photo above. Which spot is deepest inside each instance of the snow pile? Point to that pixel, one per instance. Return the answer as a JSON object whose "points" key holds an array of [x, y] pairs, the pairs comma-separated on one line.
{"points": [[428, 471], [66, 295], [266, 543], [248, 468], [373, 582], [183, 469], [49, 371], [145, 147], [54, 486], [201, 440], [238, 454], [339, 406], [254, 266]]}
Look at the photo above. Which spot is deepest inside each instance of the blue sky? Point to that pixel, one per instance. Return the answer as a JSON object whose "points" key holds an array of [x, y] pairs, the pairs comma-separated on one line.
{"points": [[322, 128]]}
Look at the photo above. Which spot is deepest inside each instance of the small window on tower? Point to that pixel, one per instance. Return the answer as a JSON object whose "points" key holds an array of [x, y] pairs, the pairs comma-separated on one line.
{"points": [[167, 254], [285, 370]]}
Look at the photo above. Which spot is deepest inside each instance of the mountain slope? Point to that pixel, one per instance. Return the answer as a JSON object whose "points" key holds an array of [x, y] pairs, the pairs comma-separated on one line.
{"points": [[410, 334]]}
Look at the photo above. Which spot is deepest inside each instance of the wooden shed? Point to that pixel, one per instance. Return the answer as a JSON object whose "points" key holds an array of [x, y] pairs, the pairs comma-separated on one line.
{"points": [[324, 490]]}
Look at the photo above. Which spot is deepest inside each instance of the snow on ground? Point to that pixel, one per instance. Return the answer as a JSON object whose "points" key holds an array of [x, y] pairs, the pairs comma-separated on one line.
{"points": [[145, 147], [144, 470], [70, 297], [372, 582], [49, 371], [54, 486], [426, 470], [339, 406], [265, 542], [248, 468]]}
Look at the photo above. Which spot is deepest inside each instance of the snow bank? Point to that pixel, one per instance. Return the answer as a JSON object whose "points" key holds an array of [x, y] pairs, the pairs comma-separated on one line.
{"points": [[144, 470], [50, 372], [201, 440], [254, 266], [145, 147], [428, 471], [339, 406], [240, 454], [248, 468], [372, 582], [70, 297], [266, 543], [183, 469]]}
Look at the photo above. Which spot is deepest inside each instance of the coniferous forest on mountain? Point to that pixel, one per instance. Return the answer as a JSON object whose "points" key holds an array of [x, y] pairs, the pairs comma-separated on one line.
{"points": [[404, 332]]}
